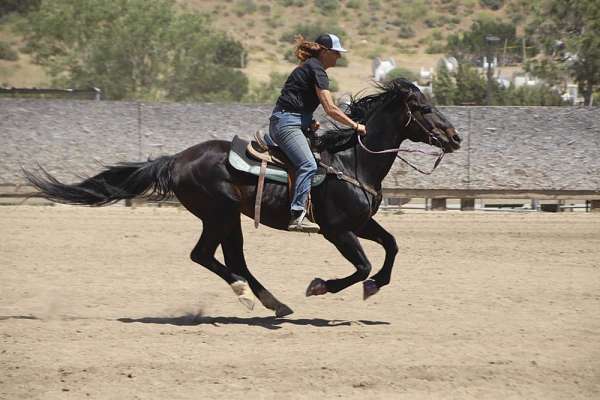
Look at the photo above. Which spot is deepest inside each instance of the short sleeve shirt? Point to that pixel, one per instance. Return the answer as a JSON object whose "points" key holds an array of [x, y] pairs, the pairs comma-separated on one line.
{"points": [[299, 94]]}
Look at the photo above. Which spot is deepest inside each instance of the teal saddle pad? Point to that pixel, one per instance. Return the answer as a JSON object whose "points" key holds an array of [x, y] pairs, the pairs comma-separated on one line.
{"points": [[239, 159]]}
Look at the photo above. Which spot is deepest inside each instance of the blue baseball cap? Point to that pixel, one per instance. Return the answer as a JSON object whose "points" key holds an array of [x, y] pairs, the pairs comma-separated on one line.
{"points": [[331, 41]]}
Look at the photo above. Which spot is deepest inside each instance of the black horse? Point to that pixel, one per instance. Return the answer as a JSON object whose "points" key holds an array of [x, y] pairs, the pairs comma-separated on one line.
{"points": [[207, 185]]}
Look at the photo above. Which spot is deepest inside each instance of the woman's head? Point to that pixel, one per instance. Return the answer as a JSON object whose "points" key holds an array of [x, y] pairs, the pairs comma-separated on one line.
{"points": [[327, 48]]}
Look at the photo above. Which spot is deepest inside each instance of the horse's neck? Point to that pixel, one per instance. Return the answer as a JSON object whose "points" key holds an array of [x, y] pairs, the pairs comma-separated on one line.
{"points": [[373, 168], [370, 168]]}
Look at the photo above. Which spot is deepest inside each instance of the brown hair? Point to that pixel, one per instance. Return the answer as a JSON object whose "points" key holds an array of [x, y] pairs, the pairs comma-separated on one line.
{"points": [[305, 49]]}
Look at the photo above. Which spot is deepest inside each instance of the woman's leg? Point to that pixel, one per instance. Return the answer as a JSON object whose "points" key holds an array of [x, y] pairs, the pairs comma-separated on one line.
{"points": [[292, 141]]}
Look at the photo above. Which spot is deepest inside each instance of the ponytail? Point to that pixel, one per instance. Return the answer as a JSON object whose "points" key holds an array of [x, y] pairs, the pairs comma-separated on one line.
{"points": [[305, 49]]}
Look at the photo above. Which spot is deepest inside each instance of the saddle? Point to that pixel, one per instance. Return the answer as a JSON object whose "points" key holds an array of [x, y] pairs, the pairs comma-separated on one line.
{"points": [[266, 162]]}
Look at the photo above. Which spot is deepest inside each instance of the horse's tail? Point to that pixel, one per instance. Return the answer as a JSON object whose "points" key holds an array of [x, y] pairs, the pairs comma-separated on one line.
{"points": [[153, 179]]}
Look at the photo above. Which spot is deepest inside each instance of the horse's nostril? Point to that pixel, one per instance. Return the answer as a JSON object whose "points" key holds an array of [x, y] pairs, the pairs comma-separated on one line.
{"points": [[456, 138]]}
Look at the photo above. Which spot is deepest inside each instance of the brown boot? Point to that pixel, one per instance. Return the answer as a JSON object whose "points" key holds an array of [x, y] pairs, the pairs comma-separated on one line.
{"points": [[298, 223]]}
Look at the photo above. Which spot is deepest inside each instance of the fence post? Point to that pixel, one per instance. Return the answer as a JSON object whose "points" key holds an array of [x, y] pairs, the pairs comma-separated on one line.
{"points": [[595, 205], [467, 204], [438, 204]]}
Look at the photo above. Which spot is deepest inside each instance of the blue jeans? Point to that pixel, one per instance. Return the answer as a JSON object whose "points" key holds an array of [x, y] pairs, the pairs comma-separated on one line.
{"points": [[285, 131]]}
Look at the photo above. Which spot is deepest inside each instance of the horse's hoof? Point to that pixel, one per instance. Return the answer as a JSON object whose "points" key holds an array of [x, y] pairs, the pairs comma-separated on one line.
{"points": [[283, 310], [244, 294], [247, 302], [316, 288], [369, 288]]}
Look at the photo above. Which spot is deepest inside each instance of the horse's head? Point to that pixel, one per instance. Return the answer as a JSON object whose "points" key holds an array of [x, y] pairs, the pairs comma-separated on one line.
{"points": [[425, 123]]}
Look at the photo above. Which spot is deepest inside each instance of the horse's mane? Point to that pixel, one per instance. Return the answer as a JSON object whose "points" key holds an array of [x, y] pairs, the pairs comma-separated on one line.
{"points": [[360, 110]]}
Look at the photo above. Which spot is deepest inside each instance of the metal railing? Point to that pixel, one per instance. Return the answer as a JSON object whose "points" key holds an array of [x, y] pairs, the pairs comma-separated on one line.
{"points": [[94, 93]]}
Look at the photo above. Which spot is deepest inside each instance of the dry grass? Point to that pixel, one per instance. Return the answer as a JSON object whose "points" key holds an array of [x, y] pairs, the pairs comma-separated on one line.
{"points": [[370, 29]]}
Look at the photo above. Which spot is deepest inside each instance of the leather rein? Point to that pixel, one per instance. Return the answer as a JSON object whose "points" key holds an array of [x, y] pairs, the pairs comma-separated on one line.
{"points": [[432, 137]]}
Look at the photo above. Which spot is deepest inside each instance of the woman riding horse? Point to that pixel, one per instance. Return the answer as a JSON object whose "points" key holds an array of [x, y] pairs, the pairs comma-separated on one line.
{"points": [[306, 88], [344, 204]]}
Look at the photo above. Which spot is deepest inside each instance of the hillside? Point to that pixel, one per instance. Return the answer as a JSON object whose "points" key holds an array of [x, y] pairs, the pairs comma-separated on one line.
{"points": [[410, 31]]}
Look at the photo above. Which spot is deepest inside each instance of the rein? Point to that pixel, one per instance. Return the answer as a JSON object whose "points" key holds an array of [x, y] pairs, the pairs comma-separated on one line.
{"points": [[432, 137]]}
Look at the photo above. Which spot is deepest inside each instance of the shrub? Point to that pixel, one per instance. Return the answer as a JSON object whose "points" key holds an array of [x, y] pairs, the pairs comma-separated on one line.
{"points": [[374, 5], [436, 34], [400, 72], [230, 53], [292, 3], [405, 31], [327, 7], [244, 7], [355, 4], [274, 22], [405, 48], [539, 95], [7, 53], [413, 10], [492, 4], [435, 48], [311, 30]]}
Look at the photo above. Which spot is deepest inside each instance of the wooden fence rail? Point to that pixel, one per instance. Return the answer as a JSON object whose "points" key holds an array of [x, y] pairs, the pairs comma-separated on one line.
{"points": [[438, 196]]}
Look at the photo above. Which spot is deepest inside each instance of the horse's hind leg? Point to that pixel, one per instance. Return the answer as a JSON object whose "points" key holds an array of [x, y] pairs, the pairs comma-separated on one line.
{"points": [[204, 254], [233, 252]]}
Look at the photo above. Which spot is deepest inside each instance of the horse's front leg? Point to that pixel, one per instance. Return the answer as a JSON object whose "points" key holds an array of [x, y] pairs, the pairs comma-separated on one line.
{"points": [[347, 243], [375, 232]]}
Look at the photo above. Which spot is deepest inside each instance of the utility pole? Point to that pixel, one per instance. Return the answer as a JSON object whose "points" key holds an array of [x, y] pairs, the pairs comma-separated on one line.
{"points": [[490, 41]]}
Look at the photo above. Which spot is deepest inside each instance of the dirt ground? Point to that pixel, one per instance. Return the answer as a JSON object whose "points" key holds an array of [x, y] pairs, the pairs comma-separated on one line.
{"points": [[105, 304]]}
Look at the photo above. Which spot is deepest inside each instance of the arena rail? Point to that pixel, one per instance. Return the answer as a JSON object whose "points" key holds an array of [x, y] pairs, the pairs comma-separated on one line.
{"points": [[467, 197], [438, 197]]}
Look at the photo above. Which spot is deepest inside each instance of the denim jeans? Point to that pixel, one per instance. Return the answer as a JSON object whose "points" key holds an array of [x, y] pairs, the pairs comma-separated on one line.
{"points": [[285, 131]]}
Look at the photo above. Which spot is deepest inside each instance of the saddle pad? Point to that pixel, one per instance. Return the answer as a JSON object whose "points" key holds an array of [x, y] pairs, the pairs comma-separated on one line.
{"points": [[239, 160]]}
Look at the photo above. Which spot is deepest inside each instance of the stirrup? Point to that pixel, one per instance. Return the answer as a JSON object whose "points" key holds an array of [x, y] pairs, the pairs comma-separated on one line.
{"points": [[301, 224], [305, 227], [260, 139]]}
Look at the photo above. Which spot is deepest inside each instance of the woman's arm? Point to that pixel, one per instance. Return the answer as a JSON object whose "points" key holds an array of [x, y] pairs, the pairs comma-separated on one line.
{"points": [[334, 111]]}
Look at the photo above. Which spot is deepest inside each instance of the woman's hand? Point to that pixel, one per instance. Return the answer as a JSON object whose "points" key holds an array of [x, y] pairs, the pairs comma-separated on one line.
{"points": [[314, 125], [360, 129]]}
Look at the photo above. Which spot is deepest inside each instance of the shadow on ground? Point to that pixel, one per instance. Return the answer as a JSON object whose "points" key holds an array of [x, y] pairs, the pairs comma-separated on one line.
{"points": [[264, 322], [196, 319]]}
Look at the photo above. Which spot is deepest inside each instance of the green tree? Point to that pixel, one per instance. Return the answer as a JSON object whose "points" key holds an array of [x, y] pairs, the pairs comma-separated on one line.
{"points": [[569, 33], [538, 95], [444, 87], [470, 86], [472, 46], [18, 6], [134, 49]]}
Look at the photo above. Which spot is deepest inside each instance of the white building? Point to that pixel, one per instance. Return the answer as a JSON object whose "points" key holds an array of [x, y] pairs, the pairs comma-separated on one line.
{"points": [[381, 68]]}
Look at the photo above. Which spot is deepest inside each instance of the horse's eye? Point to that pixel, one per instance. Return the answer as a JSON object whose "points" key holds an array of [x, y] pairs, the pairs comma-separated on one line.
{"points": [[426, 109]]}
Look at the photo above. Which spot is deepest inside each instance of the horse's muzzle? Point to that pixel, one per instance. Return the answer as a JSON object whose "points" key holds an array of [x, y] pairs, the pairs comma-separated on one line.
{"points": [[449, 139], [454, 139]]}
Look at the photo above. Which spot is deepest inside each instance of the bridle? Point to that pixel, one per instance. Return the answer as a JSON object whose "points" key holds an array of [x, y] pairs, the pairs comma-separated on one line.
{"points": [[432, 139]]}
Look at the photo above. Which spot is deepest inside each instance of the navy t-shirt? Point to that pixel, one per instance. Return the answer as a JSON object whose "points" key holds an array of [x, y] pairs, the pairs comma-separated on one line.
{"points": [[299, 94]]}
